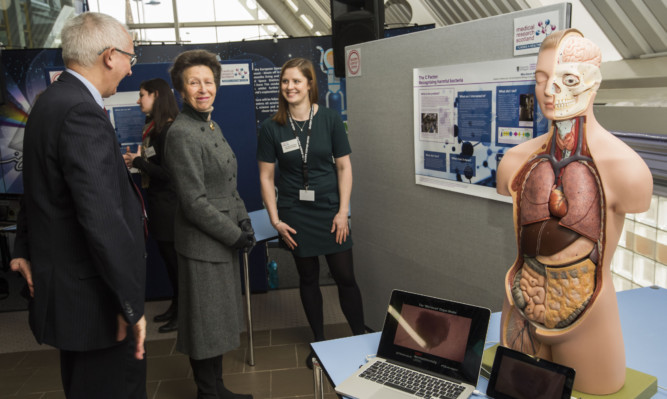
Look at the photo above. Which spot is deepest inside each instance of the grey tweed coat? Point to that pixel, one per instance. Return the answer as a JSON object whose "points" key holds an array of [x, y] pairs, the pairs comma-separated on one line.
{"points": [[203, 168]]}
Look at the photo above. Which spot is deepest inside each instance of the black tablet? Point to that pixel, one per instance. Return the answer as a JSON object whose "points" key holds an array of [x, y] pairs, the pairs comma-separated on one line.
{"points": [[516, 375]]}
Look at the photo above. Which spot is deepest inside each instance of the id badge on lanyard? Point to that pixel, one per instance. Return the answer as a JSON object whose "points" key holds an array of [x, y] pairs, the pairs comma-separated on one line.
{"points": [[307, 195], [304, 194]]}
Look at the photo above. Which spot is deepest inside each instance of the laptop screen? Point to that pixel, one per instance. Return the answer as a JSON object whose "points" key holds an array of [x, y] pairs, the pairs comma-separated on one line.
{"points": [[435, 335]]}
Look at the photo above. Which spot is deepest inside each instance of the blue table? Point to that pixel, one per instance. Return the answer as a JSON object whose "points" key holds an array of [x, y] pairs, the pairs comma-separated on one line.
{"points": [[264, 232], [643, 320]]}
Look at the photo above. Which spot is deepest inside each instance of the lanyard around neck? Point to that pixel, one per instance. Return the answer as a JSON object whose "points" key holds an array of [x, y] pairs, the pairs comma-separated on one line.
{"points": [[148, 129], [304, 153]]}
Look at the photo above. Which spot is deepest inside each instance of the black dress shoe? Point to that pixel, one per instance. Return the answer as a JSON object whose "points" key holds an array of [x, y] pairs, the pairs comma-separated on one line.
{"points": [[230, 395], [168, 315], [172, 325]]}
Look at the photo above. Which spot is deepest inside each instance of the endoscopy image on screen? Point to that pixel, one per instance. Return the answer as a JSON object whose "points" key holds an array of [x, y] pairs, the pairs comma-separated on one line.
{"points": [[437, 333]]}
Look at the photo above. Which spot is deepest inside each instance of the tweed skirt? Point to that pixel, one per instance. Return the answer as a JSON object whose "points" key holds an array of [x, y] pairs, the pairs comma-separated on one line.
{"points": [[210, 307]]}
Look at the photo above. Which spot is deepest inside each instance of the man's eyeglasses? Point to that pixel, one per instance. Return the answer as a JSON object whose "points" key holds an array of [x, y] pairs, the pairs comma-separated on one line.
{"points": [[133, 57]]}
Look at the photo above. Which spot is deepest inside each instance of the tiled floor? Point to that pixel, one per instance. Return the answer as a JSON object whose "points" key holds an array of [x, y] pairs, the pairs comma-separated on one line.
{"points": [[279, 370]]}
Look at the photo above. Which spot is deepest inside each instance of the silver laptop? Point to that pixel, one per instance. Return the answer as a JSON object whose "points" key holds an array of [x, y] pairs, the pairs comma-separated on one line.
{"points": [[429, 348]]}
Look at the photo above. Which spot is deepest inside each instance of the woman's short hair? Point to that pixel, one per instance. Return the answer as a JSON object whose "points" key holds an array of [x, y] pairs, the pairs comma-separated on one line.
{"points": [[308, 70], [165, 108], [87, 34], [192, 58]]}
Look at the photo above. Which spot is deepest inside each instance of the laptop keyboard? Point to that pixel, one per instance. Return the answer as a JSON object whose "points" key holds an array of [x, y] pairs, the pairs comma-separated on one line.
{"points": [[418, 384]]}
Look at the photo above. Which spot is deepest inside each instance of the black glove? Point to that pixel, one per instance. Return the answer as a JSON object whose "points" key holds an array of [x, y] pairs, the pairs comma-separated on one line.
{"points": [[245, 242], [246, 226]]}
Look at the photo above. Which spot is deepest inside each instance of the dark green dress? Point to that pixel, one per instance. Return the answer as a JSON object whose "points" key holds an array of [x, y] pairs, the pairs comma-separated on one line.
{"points": [[311, 220]]}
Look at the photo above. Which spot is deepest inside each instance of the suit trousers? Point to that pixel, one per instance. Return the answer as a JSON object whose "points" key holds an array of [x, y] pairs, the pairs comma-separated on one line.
{"points": [[109, 373]]}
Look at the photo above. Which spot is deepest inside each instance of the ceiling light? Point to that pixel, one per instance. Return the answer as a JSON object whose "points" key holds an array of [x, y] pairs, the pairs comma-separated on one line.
{"points": [[294, 7], [318, 33], [306, 20]]}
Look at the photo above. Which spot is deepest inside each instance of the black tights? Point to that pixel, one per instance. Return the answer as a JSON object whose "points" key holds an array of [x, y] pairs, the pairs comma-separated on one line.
{"points": [[168, 254], [342, 271]]}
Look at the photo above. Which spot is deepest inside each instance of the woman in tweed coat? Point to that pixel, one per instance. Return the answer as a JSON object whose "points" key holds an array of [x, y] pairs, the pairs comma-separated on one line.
{"points": [[211, 225]]}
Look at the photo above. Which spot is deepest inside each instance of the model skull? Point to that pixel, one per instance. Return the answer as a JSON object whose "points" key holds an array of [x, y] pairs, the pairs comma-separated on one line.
{"points": [[574, 82], [573, 87]]}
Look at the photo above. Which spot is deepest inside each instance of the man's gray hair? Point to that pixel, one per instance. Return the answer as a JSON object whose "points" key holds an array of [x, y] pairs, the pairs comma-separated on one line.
{"points": [[86, 35]]}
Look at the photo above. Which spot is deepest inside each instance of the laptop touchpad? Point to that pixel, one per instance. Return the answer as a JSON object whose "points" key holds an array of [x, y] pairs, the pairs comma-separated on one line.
{"points": [[389, 394]]}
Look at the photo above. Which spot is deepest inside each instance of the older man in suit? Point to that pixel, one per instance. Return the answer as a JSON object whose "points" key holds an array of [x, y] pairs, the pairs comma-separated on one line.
{"points": [[80, 242]]}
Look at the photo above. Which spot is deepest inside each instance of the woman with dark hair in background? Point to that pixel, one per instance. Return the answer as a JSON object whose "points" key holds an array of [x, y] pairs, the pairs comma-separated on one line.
{"points": [[158, 103], [212, 224], [311, 215]]}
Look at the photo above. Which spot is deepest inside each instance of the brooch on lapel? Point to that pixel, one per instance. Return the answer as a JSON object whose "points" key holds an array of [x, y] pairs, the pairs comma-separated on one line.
{"points": [[212, 126]]}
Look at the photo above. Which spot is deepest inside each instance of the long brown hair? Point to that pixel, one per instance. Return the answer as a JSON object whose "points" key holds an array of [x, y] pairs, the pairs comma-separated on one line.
{"points": [[164, 109], [308, 70]]}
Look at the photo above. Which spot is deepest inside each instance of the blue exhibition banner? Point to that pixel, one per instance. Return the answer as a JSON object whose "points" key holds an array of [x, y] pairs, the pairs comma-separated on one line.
{"points": [[28, 72], [248, 96]]}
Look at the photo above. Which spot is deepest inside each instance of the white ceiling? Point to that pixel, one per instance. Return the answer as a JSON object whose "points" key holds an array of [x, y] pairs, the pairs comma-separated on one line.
{"points": [[630, 28]]}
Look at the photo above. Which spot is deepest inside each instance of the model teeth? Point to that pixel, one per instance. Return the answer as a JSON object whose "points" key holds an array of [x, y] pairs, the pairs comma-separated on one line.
{"points": [[564, 103]]}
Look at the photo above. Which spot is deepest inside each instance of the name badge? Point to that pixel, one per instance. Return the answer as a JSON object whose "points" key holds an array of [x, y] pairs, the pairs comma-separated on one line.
{"points": [[289, 145], [150, 151], [307, 195]]}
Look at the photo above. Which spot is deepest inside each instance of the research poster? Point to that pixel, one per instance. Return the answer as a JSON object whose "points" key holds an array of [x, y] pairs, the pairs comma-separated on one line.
{"points": [[126, 117], [467, 116]]}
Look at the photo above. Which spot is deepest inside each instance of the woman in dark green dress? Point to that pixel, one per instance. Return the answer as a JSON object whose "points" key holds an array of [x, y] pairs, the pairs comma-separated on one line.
{"points": [[311, 213]]}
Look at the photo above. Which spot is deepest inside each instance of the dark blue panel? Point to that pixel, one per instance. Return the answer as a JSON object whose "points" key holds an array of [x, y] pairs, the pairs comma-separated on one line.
{"points": [[234, 110]]}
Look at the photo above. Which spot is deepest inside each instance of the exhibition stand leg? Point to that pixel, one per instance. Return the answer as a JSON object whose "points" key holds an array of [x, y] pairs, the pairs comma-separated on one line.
{"points": [[246, 280]]}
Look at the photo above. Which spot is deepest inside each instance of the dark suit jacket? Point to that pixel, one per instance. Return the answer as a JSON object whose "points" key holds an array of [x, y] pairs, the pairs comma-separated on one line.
{"points": [[80, 224]]}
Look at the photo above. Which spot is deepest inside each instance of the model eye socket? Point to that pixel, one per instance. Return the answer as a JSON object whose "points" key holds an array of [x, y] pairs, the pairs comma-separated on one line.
{"points": [[570, 80]]}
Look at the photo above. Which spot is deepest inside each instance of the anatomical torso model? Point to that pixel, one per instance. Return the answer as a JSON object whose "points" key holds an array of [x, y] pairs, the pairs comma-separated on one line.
{"points": [[571, 189]]}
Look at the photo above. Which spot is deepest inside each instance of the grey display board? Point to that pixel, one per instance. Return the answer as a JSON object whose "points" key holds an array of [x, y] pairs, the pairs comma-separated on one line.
{"points": [[413, 237]]}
